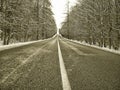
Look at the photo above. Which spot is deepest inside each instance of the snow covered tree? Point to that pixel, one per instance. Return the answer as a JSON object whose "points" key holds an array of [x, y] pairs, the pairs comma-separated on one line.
{"points": [[95, 21], [24, 20]]}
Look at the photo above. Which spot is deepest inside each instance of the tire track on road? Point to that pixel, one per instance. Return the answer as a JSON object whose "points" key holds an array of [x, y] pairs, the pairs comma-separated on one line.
{"points": [[79, 52], [23, 63]]}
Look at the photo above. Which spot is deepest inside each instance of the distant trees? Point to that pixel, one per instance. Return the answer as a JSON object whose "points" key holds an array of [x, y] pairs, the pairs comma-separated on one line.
{"points": [[23, 20], [96, 22]]}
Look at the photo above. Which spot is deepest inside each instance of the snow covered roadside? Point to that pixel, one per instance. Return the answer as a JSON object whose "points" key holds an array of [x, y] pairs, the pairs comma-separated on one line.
{"points": [[97, 47], [4, 47], [14, 45]]}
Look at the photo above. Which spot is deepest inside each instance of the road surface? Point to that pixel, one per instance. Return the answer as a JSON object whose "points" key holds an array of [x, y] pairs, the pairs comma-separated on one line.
{"points": [[58, 64]]}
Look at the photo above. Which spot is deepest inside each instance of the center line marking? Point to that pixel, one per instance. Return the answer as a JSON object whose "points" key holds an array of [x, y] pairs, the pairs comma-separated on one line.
{"points": [[64, 76]]}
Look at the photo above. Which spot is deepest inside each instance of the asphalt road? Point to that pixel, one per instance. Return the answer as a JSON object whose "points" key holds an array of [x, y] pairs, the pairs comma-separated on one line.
{"points": [[36, 67]]}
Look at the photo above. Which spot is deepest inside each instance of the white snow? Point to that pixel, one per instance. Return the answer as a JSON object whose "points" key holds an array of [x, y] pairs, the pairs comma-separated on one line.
{"points": [[4, 47], [97, 47], [13, 45]]}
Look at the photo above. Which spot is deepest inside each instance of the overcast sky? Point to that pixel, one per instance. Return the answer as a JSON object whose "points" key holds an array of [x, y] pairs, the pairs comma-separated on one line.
{"points": [[59, 8]]}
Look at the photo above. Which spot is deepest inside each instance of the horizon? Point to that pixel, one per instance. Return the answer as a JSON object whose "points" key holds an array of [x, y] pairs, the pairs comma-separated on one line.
{"points": [[60, 10]]}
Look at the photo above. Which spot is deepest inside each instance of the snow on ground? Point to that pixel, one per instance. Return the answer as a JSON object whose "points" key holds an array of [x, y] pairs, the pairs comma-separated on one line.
{"points": [[4, 47], [101, 48], [13, 45]]}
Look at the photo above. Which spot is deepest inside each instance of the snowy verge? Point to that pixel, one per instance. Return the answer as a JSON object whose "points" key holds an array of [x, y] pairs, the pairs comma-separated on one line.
{"points": [[14, 45], [4, 47], [97, 47]]}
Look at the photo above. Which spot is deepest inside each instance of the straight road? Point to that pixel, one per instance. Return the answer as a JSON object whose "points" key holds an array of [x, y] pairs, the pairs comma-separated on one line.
{"points": [[89, 68], [58, 64], [31, 67]]}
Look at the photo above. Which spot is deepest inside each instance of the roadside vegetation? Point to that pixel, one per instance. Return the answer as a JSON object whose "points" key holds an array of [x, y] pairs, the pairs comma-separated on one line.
{"points": [[96, 22], [26, 20]]}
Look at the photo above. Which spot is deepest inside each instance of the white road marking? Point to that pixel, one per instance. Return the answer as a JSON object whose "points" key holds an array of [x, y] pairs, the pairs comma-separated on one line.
{"points": [[64, 76], [24, 62]]}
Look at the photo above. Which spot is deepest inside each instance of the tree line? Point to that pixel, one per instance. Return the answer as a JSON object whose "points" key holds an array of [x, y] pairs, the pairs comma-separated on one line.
{"points": [[95, 22], [26, 20]]}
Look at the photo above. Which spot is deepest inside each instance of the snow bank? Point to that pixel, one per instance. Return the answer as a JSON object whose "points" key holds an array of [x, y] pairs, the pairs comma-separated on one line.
{"points": [[97, 47], [4, 47]]}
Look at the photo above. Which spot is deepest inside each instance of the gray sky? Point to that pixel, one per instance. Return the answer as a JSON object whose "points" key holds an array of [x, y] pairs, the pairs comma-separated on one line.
{"points": [[59, 8]]}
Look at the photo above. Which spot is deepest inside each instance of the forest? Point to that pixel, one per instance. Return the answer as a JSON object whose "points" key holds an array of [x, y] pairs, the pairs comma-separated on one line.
{"points": [[96, 22], [25, 20]]}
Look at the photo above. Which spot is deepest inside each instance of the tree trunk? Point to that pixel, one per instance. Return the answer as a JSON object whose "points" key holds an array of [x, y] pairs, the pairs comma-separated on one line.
{"points": [[1, 7], [37, 36], [5, 37], [110, 39], [117, 5], [118, 39]]}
